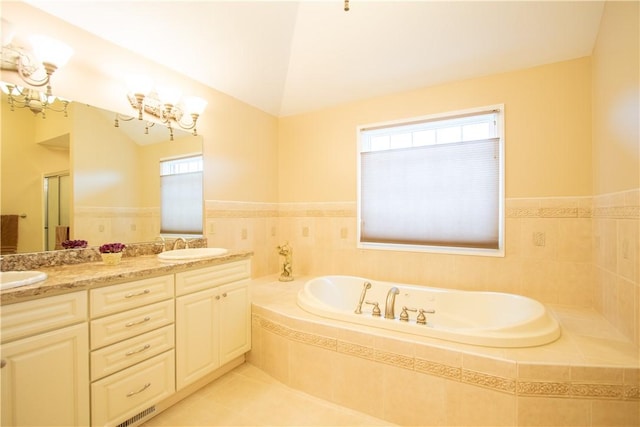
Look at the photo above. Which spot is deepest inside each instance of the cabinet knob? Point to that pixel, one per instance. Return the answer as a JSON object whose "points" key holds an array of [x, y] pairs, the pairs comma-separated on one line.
{"points": [[224, 295], [3, 363], [217, 296]]}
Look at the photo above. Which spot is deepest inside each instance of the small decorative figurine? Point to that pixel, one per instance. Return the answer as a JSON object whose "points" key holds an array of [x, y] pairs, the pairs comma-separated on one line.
{"points": [[286, 251]]}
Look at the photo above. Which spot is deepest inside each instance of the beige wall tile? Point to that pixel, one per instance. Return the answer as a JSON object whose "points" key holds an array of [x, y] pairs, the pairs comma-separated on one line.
{"points": [[311, 370], [358, 384], [628, 249], [469, 405], [275, 356], [547, 412], [543, 372], [413, 399], [489, 366], [594, 374], [615, 413]]}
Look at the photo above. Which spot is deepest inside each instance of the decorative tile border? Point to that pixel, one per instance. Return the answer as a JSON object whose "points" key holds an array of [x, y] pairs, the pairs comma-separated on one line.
{"points": [[511, 386], [618, 212], [553, 207]]}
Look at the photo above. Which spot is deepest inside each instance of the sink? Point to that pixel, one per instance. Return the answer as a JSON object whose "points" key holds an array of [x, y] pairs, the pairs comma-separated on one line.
{"points": [[13, 279], [191, 254]]}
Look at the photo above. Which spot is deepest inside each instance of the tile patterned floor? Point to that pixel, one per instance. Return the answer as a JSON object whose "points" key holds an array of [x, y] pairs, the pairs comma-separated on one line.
{"points": [[247, 396]]}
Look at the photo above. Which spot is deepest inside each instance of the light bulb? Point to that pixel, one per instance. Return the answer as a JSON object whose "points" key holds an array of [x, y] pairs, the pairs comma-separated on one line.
{"points": [[194, 105], [50, 51]]}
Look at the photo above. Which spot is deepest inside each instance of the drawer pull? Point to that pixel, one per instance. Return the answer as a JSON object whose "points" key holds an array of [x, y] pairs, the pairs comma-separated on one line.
{"points": [[144, 387], [132, 352], [146, 291], [130, 324]]}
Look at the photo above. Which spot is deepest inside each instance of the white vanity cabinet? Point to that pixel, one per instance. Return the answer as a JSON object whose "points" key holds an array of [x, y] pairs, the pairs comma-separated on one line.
{"points": [[132, 341], [213, 319], [45, 362]]}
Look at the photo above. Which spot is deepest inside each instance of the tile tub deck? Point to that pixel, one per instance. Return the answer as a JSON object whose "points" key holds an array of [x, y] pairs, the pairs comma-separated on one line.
{"points": [[589, 376]]}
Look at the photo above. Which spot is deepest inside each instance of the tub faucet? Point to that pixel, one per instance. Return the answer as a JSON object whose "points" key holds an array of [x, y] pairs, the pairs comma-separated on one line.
{"points": [[389, 309], [366, 286]]}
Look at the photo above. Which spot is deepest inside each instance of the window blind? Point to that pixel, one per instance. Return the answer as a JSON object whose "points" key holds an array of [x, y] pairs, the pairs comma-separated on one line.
{"points": [[181, 196], [435, 195]]}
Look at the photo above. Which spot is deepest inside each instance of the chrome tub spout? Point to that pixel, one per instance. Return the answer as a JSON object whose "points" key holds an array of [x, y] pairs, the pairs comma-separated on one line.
{"points": [[389, 308], [366, 286]]}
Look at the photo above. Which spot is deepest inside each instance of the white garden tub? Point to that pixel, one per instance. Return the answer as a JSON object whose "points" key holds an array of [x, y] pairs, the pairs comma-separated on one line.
{"points": [[479, 318]]}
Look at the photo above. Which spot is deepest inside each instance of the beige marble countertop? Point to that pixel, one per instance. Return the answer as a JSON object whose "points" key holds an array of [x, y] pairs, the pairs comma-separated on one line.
{"points": [[69, 278]]}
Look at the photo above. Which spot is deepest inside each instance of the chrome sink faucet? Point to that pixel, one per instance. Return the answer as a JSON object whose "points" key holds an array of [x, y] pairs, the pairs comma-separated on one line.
{"points": [[389, 308]]}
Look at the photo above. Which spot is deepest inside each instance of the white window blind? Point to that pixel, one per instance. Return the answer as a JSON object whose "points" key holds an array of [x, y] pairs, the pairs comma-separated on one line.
{"points": [[181, 194], [432, 183]]}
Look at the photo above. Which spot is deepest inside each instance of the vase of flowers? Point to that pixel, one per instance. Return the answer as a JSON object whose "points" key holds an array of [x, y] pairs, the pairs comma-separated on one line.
{"points": [[74, 244], [111, 253]]}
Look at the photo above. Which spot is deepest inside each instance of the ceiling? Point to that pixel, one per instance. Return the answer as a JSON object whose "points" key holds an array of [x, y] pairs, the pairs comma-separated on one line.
{"points": [[291, 57]]}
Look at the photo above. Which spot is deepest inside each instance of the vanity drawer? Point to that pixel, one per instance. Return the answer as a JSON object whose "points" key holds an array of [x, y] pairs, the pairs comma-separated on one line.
{"points": [[120, 396], [121, 326], [112, 299], [32, 317], [119, 356], [205, 278]]}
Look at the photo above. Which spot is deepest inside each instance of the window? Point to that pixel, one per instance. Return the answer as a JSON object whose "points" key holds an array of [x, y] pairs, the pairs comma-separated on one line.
{"points": [[433, 183], [181, 195]]}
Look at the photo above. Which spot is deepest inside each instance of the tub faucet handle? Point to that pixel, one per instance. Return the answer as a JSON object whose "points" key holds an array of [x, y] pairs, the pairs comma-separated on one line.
{"points": [[422, 319], [376, 309], [404, 316]]}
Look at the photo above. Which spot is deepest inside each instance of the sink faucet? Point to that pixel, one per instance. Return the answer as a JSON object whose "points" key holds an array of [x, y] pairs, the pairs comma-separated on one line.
{"points": [[175, 243], [162, 241], [389, 309]]}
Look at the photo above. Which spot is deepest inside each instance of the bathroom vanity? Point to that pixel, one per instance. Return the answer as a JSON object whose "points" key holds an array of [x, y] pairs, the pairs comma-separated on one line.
{"points": [[114, 345]]}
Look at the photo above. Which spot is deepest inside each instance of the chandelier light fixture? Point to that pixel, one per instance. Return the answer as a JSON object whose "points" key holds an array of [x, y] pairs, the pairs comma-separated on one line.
{"points": [[165, 104], [35, 67], [36, 101]]}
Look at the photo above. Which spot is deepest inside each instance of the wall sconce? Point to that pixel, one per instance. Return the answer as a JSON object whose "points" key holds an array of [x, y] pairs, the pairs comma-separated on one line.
{"points": [[34, 100], [36, 68], [165, 104]]}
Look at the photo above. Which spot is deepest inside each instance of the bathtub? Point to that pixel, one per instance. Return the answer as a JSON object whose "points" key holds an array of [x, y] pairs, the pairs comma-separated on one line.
{"points": [[479, 318]]}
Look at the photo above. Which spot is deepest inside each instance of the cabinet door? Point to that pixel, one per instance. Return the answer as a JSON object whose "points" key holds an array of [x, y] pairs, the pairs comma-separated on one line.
{"points": [[46, 379], [197, 351], [235, 320]]}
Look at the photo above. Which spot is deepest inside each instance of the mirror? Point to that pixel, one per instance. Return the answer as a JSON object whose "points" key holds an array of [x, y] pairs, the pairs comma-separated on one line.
{"points": [[82, 172]]}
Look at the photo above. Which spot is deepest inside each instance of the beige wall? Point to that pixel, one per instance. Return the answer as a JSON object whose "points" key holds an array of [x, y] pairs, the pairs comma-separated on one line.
{"points": [[548, 146], [616, 111], [105, 162], [24, 164], [616, 171]]}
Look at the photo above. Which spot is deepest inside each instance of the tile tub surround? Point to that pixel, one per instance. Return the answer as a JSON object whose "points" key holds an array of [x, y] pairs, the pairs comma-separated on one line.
{"points": [[578, 251], [589, 377]]}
